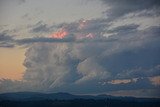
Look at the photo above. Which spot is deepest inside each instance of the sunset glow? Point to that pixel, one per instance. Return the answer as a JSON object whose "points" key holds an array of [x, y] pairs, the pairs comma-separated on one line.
{"points": [[60, 34]]}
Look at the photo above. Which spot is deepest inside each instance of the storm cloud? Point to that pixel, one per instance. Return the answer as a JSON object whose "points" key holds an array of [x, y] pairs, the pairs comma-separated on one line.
{"points": [[120, 8], [95, 56], [60, 66], [6, 41]]}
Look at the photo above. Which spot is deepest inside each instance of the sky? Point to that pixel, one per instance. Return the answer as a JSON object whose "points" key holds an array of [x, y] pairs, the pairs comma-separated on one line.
{"points": [[80, 46]]}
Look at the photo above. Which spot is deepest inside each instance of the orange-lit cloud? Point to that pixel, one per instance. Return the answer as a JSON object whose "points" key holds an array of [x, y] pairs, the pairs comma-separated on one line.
{"points": [[81, 29], [122, 81], [155, 80], [60, 34]]}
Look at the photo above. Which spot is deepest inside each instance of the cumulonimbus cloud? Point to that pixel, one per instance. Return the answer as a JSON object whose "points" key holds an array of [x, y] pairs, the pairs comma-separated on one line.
{"points": [[63, 65], [86, 60]]}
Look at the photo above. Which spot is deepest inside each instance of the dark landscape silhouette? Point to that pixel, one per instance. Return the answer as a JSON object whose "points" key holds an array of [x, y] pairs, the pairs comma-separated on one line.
{"points": [[33, 99]]}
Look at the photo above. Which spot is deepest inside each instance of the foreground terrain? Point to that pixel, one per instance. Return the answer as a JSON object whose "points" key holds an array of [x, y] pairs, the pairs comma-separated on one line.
{"points": [[30, 99]]}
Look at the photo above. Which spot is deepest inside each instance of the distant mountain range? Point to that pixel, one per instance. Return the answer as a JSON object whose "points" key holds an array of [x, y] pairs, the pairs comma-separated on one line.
{"points": [[35, 96], [34, 99]]}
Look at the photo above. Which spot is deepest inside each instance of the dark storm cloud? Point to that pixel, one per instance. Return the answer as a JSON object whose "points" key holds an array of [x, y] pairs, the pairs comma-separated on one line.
{"points": [[96, 26], [27, 41], [132, 63], [120, 8], [43, 40], [124, 29], [55, 65], [40, 27], [6, 41], [141, 71], [94, 87], [5, 37], [83, 66]]}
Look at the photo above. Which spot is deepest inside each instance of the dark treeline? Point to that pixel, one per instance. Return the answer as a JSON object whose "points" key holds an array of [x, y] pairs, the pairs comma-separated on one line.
{"points": [[79, 103]]}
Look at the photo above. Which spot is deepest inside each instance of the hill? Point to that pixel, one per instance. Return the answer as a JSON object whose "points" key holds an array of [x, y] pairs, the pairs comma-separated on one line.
{"points": [[34, 99]]}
